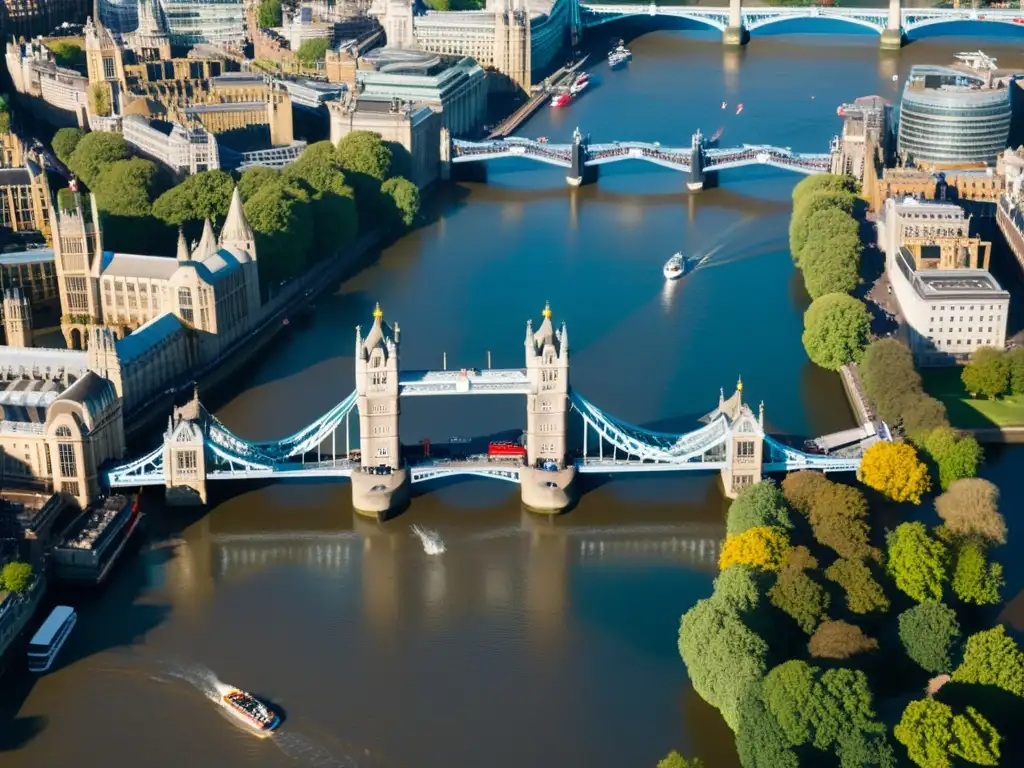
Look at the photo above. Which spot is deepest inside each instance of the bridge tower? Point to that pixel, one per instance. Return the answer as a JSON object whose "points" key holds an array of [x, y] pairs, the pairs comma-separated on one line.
{"points": [[696, 181], [185, 456], [892, 37], [445, 159], [577, 159], [547, 480], [735, 33], [744, 450], [380, 483]]}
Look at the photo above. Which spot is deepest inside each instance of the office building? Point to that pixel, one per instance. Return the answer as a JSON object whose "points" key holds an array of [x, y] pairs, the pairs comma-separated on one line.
{"points": [[184, 150]]}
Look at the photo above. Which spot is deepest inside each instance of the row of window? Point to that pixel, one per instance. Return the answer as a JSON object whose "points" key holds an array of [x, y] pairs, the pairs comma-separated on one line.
{"points": [[950, 342], [954, 330]]}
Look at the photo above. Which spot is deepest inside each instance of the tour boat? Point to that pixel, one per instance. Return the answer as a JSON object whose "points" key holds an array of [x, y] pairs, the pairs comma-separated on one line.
{"points": [[250, 710], [619, 55], [841, 112], [576, 88], [739, 109], [717, 134], [582, 78], [560, 99], [542, 140], [724, 105], [679, 265]]}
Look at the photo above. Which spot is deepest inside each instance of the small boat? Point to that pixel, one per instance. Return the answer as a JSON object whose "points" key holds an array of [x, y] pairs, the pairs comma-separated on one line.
{"points": [[724, 104], [250, 710], [560, 99], [680, 265], [895, 78], [841, 112], [581, 78], [619, 55], [542, 140], [717, 134], [576, 88], [739, 109]]}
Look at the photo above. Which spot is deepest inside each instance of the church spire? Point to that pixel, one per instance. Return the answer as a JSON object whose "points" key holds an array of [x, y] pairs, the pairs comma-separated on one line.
{"points": [[183, 254], [207, 243], [237, 233]]}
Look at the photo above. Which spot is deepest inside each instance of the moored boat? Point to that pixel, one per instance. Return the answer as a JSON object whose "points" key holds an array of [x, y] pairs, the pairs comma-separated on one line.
{"points": [[250, 710], [560, 99], [619, 55]]}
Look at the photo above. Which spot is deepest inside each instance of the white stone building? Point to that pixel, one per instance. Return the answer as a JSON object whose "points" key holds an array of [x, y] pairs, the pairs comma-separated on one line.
{"points": [[192, 150]]}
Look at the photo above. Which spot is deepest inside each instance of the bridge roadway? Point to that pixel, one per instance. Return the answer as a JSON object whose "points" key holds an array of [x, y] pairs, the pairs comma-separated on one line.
{"points": [[466, 381], [875, 19]]}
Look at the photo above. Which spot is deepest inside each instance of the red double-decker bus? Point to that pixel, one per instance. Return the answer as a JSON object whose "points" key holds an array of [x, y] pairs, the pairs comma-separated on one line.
{"points": [[506, 451]]}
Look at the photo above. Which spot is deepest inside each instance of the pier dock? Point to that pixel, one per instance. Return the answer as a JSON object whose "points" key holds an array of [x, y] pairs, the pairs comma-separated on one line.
{"points": [[560, 80]]}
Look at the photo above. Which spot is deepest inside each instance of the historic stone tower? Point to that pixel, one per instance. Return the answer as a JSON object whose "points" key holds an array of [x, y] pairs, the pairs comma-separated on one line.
{"points": [[17, 318], [77, 242], [745, 448], [546, 479], [185, 456], [379, 484], [103, 356]]}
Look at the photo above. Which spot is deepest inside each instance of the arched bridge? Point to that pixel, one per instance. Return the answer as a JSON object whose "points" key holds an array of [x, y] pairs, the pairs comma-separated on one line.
{"points": [[696, 160], [198, 448]]}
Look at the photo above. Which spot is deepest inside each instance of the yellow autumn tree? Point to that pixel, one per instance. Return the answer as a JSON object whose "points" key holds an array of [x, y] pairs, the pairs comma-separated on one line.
{"points": [[893, 469], [760, 547]]}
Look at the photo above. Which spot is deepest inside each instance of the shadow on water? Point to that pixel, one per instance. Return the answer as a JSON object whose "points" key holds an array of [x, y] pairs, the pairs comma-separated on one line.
{"points": [[16, 732]]}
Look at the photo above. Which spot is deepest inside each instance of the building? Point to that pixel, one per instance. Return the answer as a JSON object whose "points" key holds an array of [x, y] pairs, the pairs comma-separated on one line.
{"points": [[454, 86], [58, 94], [508, 36], [28, 18], [25, 199], [954, 117], [1010, 210], [984, 185], [119, 16], [32, 271], [187, 21], [184, 150], [416, 127], [939, 275], [17, 316]]}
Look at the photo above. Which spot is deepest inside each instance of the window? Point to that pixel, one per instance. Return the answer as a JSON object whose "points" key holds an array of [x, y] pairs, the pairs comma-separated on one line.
{"points": [[382, 452], [66, 458], [738, 481], [380, 378], [108, 68], [380, 430], [545, 405], [185, 302], [63, 432], [71, 488], [745, 449]]}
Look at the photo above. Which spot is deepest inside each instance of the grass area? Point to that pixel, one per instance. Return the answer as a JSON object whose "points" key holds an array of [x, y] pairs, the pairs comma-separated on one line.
{"points": [[966, 411]]}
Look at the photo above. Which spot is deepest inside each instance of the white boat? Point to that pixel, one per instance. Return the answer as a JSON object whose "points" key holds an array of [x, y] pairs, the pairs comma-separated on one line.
{"points": [[679, 265], [50, 638], [577, 87], [619, 55]]}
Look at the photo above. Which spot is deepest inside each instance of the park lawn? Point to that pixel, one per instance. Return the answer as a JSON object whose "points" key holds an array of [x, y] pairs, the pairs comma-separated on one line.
{"points": [[965, 411]]}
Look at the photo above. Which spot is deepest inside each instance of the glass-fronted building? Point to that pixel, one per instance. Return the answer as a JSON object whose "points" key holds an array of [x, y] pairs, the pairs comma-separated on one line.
{"points": [[949, 117]]}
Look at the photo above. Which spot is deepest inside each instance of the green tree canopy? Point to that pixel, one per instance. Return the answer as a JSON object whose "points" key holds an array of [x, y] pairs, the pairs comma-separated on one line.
{"points": [[16, 577], [839, 640], [831, 264], [68, 53], [319, 166], [723, 656], [888, 374], [760, 741], [955, 456], [975, 579], [124, 187], [738, 587], [917, 561], [283, 223], [5, 115], [404, 199], [987, 373], [837, 515], [920, 414], [970, 508], [823, 225], [863, 593], [312, 51], [758, 504], [836, 330], [802, 489], [270, 14], [363, 152], [800, 597], [1015, 361], [675, 760], [992, 658], [99, 99], [205, 195], [935, 737], [930, 634], [65, 141], [823, 182], [94, 153], [253, 179], [799, 224]]}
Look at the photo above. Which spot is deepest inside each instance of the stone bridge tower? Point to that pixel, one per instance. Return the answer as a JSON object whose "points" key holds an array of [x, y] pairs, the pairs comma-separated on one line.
{"points": [[17, 318], [185, 456], [547, 479], [379, 484], [744, 449]]}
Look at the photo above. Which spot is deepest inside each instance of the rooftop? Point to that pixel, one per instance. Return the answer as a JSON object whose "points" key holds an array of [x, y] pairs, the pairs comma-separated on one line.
{"points": [[32, 256], [137, 265], [931, 284], [399, 61], [148, 336]]}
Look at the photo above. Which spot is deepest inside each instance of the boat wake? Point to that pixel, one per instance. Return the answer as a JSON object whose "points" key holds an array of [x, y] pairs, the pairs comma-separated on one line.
{"points": [[431, 540]]}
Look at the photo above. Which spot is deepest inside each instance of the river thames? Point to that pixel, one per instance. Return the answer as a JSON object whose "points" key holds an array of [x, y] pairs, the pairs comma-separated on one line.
{"points": [[531, 641]]}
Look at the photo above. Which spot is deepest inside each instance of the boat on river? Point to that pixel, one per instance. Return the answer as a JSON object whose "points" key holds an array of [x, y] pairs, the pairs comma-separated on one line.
{"points": [[250, 710], [619, 55], [560, 99], [679, 265]]}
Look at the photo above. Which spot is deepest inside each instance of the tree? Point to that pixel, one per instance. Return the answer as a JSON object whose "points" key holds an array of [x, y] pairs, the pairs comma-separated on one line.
{"points": [[917, 561], [16, 577], [67, 53], [123, 188], [956, 456], [810, 205], [823, 182], [1015, 362], [801, 489], [270, 14], [921, 413], [824, 225], [94, 153], [992, 658], [723, 656], [831, 265], [64, 142], [675, 760], [312, 51], [761, 547], [758, 504], [404, 198], [738, 587], [363, 152], [759, 740], [99, 99], [970, 508], [252, 180], [839, 640], [319, 166], [975, 580], [894, 470], [800, 597], [837, 517], [5, 116], [283, 223], [205, 195], [836, 330], [987, 373], [889, 376], [930, 634], [934, 736], [863, 593]]}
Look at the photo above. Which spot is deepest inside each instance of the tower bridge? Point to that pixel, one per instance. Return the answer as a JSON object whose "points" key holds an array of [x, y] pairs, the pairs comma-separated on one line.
{"points": [[892, 23], [696, 160], [197, 448]]}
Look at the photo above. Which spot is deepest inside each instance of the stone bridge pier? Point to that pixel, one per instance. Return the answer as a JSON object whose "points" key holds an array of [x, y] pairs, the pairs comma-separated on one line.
{"points": [[892, 36], [735, 33]]}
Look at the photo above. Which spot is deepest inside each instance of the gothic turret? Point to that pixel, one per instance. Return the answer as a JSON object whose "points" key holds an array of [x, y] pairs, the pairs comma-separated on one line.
{"points": [[17, 318], [183, 254], [207, 243], [237, 233]]}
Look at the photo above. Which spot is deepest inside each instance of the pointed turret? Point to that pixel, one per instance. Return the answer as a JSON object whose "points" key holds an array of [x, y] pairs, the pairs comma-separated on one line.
{"points": [[207, 243], [237, 233], [183, 254]]}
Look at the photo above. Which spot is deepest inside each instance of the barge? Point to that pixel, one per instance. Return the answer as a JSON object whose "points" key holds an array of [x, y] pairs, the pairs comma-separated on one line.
{"points": [[95, 541]]}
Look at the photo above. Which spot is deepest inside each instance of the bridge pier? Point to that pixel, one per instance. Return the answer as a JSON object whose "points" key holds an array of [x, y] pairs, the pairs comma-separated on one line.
{"points": [[735, 33], [695, 183], [577, 160], [892, 36], [445, 161]]}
